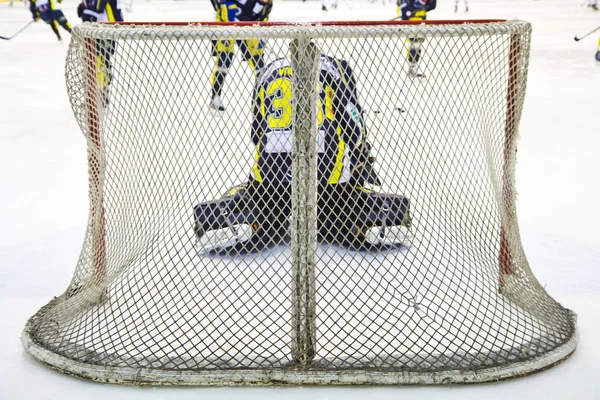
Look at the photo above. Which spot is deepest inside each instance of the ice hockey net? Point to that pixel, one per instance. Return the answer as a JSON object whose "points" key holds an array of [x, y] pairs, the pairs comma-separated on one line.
{"points": [[454, 302]]}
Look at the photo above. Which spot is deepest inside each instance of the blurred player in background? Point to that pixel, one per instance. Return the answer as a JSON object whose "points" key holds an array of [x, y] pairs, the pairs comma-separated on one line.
{"points": [[466, 5], [50, 14], [415, 10], [333, 4], [252, 50], [254, 215], [102, 11]]}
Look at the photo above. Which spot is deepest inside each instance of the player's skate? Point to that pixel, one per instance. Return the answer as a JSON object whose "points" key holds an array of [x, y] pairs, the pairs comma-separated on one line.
{"points": [[224, 223], [383, 220], [216, 103], [414, 71], [364, 218]]}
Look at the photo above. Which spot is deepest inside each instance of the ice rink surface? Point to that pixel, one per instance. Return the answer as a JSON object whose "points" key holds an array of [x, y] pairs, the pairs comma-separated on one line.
{"points": [[43, 181]]}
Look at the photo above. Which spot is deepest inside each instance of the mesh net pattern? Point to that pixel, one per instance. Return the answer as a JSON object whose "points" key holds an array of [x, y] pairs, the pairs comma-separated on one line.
{"points": [[389, 247]]}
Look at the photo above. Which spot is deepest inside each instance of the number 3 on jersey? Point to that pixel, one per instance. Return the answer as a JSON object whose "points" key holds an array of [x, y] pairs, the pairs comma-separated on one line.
{"points": [[279, 115]]}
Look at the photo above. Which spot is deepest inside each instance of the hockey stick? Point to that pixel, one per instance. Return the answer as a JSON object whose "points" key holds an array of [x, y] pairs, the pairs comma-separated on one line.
{"points": [[347, 4], [577, 39], [19, 31]]}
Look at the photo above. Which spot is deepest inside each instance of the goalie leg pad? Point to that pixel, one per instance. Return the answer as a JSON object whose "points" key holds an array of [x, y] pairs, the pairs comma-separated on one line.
{"points": [[359, 217], [247, 218], [384, 219], [226, 222]]}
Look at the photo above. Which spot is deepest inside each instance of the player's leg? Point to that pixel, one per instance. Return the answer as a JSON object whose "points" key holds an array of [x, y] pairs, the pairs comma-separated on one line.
{"points": [[413, 55], [252, 51], [324, 5], [104, 50], [46, 16], [357, 216], [223, 53], [382, 218], [62, 20], [225, 222], [455, 5], [413, 51], [248, 217]]}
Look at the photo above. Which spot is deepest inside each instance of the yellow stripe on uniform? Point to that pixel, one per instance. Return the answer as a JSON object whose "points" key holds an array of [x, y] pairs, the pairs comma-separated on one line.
{"points": [[339, 160], [223, 15], [261, 95], [257, 176], [251, 62], [109, 13], [363, 189], [102, 72], [213, 76]]}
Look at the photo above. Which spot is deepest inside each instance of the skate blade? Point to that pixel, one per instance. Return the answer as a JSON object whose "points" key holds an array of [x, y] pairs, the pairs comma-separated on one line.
{"points": [[225, 237], [388, 235]]}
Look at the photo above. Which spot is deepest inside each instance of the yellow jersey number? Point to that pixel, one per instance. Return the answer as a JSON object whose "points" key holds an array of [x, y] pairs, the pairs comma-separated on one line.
{"points": [[280, 90]]}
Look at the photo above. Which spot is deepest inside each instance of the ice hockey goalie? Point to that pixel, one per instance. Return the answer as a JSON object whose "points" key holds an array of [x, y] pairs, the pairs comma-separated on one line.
{"points": [[256, 214]]}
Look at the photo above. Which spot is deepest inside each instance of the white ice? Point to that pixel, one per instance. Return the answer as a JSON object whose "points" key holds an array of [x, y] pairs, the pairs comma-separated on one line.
{"points": [[44, 204]]}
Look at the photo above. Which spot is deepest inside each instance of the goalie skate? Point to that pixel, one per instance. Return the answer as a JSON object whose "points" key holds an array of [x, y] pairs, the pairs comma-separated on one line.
{"points": [[225, 223], [388, 235], [366, 219], [224, 238], [385, 220]]}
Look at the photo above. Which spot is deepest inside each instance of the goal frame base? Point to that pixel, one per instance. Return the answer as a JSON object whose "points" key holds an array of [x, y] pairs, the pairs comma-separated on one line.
{"points": [[295, 376]]}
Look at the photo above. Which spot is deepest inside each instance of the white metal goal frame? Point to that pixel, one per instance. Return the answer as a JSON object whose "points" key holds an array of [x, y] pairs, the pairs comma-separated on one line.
{"points": [[458, 305]]}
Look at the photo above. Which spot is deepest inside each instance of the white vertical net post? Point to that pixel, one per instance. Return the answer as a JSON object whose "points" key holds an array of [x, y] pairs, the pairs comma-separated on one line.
{"points": [[342, 221], [304, 63]]}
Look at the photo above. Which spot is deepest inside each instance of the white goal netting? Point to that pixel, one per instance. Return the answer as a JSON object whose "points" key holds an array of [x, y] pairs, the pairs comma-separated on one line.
{"points": [[343, 220]]}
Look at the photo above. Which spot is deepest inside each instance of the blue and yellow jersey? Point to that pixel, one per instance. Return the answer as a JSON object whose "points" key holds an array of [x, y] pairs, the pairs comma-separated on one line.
{"points": [[103, 10], [340, 140], [415, 10], [41, 6], [242, 10]]}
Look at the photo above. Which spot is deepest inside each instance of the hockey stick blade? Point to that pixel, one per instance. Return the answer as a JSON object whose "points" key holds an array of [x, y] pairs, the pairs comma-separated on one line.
{"points": [[16, 33], [577, 39]]}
